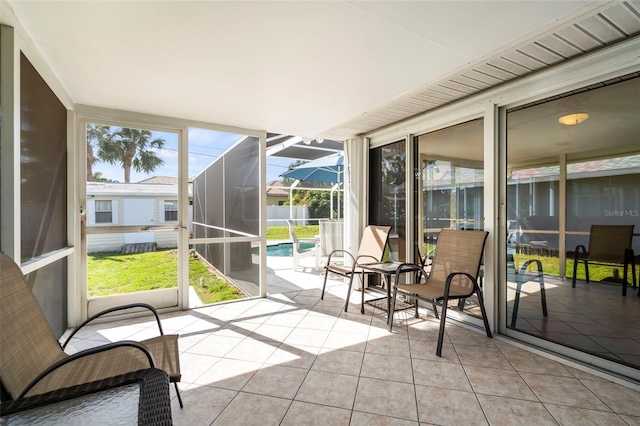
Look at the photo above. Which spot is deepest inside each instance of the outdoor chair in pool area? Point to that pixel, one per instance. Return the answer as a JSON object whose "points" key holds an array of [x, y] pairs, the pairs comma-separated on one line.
{"points": [[298, 251], [33, 362], [608, 245], [453, 275], [371, 249]]}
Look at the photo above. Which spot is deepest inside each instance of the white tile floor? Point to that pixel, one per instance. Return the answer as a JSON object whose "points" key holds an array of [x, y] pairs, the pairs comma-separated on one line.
{"points": [[293, 359]]}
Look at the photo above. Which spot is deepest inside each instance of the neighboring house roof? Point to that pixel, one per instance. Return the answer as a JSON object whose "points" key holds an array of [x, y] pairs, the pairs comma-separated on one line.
{"points": [[274, 189], [131, 189], [165, 180], [438, 175]]}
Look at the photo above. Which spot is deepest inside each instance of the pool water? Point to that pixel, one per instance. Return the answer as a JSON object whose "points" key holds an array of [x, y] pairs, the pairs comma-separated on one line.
{"points": [[284, 249]]}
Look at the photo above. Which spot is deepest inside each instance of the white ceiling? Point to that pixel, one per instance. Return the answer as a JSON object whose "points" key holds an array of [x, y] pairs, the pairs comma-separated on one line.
{"points": [[298, 68]]}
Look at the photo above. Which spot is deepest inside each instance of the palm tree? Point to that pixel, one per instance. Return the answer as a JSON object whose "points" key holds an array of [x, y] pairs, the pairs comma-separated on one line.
{"points": [[131, 148], [98, 177], [96, 134]]}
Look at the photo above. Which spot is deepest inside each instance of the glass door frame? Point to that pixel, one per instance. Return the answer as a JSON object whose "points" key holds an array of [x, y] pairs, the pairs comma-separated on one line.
{"points": [[174, 297]]}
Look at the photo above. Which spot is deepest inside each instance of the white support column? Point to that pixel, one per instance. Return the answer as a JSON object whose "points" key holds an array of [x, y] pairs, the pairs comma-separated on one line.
{"points": [[263, 214], [410, 208], [183, 218], [293, 185], [10, 144], [74, 219], [336, 190], [491, 214], [355, 190], [562, 213]]}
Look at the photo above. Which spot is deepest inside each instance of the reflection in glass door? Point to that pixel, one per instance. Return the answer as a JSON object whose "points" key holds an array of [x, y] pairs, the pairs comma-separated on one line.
{"points": [[451, 188], [562, 178], [387, 199]]}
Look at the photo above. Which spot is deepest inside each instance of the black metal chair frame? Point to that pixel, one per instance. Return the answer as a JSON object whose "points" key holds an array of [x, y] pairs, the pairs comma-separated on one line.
{"points": [[121, 308], [582, 255], [418, 269], [520, 280]]}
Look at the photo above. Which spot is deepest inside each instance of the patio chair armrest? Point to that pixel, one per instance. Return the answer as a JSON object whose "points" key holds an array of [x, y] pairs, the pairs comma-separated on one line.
{"points": [[447, 283], [365, 256], [408, 267], [357, 260], [52, 369], [579, 248], [630, 254], [308, 241], [340, 251], [115, 309], [525, 266]]}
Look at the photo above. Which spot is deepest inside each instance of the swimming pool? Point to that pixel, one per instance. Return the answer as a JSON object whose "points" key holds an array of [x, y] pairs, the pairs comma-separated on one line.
{"points": [[284, 249]]}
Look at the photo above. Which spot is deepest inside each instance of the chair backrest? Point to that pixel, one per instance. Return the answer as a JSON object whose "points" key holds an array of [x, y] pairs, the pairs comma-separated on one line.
{"points": [[330, 232], [608, 243], [458, 251], [292, 232], [374, 240], [27, 343]]}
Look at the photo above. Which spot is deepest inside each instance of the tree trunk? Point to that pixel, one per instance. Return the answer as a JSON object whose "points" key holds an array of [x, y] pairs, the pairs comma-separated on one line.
{"points": [[127, 168], [90, 160]]}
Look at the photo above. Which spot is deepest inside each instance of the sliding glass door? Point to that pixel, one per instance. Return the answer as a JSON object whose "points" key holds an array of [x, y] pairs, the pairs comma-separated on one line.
{"points": [[573, 162], [451, 188]]}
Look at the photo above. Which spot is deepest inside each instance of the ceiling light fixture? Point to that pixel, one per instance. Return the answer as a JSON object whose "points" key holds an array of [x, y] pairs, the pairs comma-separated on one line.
{"points": [[319, 140], [573, 119], [306, 141]]}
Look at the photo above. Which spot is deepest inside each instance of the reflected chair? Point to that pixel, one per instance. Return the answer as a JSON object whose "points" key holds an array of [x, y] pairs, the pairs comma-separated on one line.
{"points": [[33, 362], [298, 251], [520, 280], [608, 245], [453, 275], [371, 250]]}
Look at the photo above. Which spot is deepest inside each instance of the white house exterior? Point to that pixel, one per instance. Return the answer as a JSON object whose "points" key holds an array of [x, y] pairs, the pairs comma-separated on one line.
{"points": [[127, 204]]}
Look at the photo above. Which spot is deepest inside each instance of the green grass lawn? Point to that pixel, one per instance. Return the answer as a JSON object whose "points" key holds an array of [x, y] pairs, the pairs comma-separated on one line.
{"points": [[209, 287], [551, 266], [282, 232], [115, 273]]}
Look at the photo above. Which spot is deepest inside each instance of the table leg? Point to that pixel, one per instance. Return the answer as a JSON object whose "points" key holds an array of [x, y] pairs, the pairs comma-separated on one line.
{"points": [[387, 279]]}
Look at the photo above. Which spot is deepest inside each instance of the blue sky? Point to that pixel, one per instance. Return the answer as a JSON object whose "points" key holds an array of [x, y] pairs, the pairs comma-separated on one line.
{"points": [[204, 147]]}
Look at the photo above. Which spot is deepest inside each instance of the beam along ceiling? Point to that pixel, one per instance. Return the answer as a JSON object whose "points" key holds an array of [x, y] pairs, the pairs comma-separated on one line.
{"points": [[301, 68]]}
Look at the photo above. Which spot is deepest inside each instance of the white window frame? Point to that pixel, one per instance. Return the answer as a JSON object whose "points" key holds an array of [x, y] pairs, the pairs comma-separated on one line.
{"points": [[163, 210], [108, 208]]}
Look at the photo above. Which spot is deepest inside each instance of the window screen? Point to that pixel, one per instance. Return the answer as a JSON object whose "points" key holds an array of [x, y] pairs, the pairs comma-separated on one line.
{"points": [[104, 212]]}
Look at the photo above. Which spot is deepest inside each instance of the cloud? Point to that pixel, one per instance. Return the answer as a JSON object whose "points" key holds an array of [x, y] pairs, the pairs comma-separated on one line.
{"points": [[167, 153]]}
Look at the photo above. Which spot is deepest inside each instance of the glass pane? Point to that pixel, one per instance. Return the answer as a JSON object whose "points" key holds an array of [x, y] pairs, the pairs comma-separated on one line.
{"points": [[43, 166], [546, 230], [451, 184], [120, 263], [387, 194], [602, 192], [49, 286], [132, 180]]}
